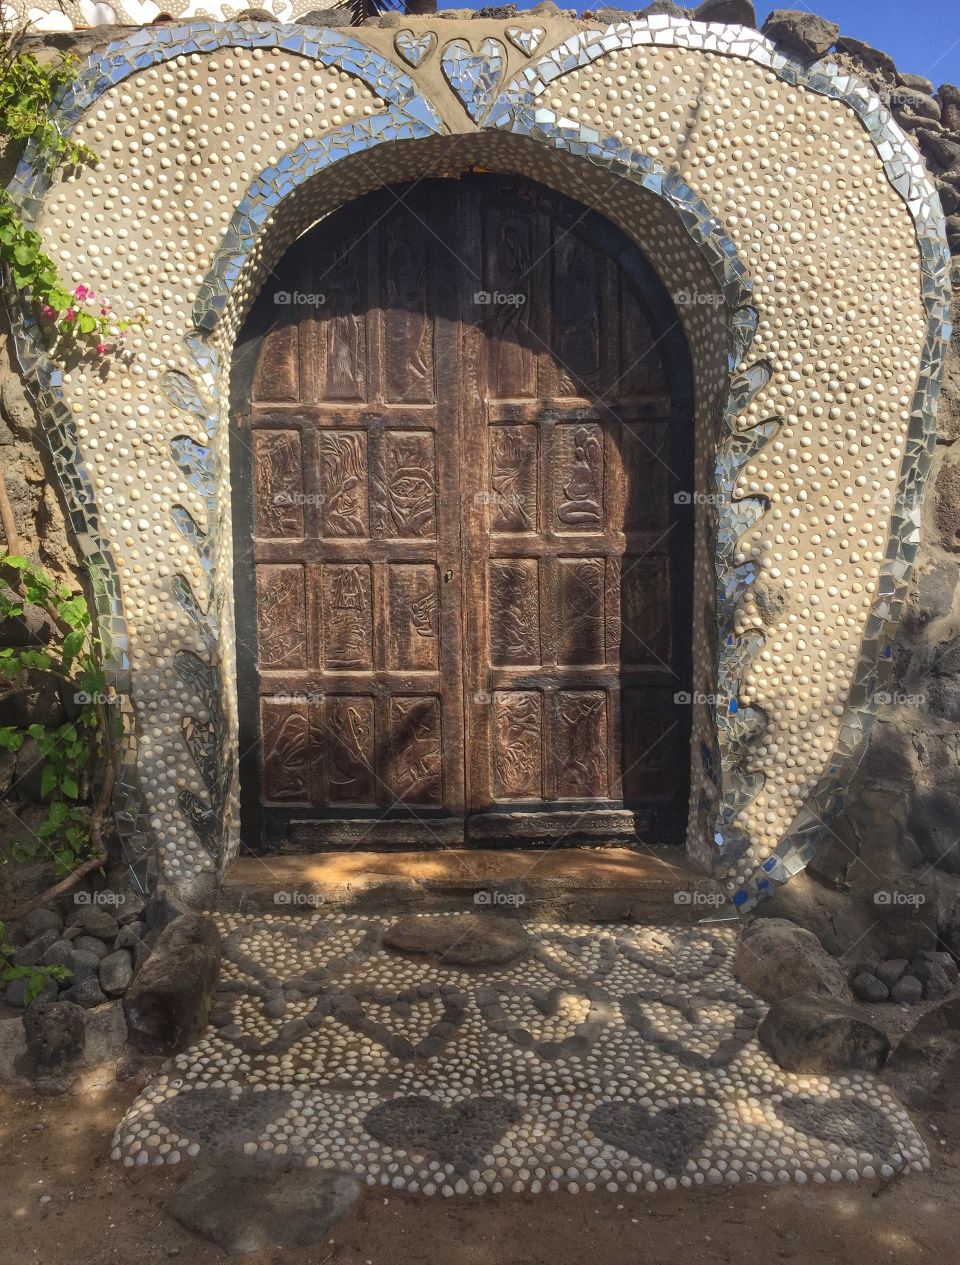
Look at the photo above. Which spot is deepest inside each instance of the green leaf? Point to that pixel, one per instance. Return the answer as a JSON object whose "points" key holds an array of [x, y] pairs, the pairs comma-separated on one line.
{"points": [[48, 780], [69, 786]]}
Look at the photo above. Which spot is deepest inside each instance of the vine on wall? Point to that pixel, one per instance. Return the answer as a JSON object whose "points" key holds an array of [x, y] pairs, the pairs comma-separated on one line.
{"points": [[71, 317]]}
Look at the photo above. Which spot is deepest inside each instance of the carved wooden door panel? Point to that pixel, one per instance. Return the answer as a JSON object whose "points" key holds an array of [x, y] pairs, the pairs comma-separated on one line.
{"points": [[358, 731], [459, 609], [577, 625]]}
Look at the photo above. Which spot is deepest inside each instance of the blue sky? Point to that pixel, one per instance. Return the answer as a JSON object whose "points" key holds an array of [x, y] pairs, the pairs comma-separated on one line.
{"points": [[922, 36]]}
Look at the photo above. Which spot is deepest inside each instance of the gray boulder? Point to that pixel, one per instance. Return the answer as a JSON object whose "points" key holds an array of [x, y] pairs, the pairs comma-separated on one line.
{"points": [[907, 991], [82, 966], [244, 1206], [926, 1060], [116, 972], [777, 959], [800, 31], [866, 987], [937, 979], [87, 993], [871, 57], [31, 953], [948, 95], [918, 82], [93, 921], [90, 944], [36, 923], [811, 1034], [916, 103], [167, 1005], [16, 993], [55, 1038], [891, 970]]}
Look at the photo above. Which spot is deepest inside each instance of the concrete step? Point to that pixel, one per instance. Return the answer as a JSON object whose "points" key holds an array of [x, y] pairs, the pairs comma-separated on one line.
{"points": [[560, 884]]}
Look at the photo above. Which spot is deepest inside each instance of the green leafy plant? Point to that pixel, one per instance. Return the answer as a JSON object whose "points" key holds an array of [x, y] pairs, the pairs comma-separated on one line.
{"points": [[36, 976], [70, 317], [68, 751]]}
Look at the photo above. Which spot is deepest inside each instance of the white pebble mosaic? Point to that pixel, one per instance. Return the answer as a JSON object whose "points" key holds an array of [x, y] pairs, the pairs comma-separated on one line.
{"points": [[619, 1059]]}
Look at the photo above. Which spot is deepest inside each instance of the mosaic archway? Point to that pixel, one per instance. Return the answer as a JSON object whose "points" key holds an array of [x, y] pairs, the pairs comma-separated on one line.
{"points": [[826, 411]]}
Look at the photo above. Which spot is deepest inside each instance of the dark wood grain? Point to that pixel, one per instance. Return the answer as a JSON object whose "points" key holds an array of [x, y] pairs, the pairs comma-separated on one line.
{"points": [[464, 563]]}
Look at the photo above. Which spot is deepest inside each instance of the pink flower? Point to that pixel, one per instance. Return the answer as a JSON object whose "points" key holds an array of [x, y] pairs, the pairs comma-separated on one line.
{"points": [[49, 311], [82, 293], [69, 314], [102, 349]]}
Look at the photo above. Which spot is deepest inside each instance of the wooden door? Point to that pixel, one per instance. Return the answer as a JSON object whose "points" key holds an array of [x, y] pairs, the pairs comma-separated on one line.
{"points": [[462, 579]]}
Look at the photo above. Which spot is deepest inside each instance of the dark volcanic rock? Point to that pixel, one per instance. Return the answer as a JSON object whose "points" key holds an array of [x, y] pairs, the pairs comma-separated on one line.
{"points": [[167, 1005], [871, 57], [731, 12], [927, 1057], [800, 31], [907, 991], [460, 939], [868, 988], [55, 1035], [809, 1034]]}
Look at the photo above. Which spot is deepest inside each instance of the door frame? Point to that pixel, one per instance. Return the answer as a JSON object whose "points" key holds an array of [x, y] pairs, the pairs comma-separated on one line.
{"points": [[606, 238]]}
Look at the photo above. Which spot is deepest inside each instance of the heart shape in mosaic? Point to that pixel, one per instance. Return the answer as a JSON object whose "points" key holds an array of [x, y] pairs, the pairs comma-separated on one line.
{"points": [[358, 1007], [220, 1120], [310, 949], [474, 77], [536, 1004], [528, 41], [576, 957], [666, 1140], [414, 48], [676, 955], [461, 1135], [729, 1038], [847, 1122]]}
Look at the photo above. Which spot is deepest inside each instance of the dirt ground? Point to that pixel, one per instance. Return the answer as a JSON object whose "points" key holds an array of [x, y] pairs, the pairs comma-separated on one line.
{"points": [[64, 1202]]}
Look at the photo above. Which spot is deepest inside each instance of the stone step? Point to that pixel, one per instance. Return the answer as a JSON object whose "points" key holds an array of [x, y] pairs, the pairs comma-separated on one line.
{"points": [[562, 884]]}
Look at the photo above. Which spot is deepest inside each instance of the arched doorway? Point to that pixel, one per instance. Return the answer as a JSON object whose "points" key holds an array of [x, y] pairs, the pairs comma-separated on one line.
{"points": [[461, 461]]}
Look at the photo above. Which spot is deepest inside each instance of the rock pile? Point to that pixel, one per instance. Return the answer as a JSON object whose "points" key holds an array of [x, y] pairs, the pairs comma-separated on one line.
{"points": [[100, 943], [930, 976]]}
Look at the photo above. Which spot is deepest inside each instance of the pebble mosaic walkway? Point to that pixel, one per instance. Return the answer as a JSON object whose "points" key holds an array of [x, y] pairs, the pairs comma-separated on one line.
{"points": [[455, 1054]]}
